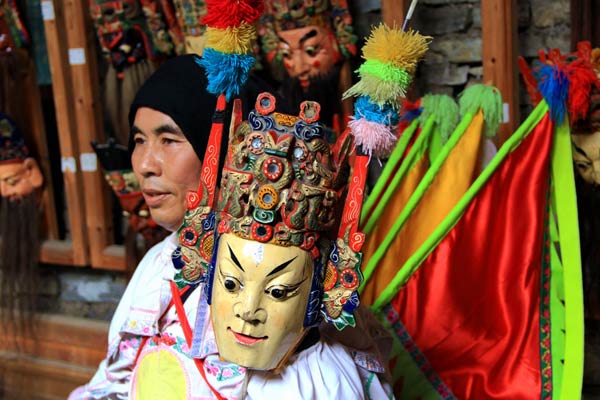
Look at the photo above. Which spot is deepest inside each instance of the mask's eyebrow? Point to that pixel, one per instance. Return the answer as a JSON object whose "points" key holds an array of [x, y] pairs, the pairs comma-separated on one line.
{"points": [[580, 151], [281, 266], [234, 258], [308, 35]]}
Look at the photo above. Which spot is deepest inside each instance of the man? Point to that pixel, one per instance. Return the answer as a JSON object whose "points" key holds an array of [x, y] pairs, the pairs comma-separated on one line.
{"points": [[170, 121], [20, 181]]}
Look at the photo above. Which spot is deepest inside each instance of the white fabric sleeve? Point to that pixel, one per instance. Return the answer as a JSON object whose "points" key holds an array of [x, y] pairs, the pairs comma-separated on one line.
{"points": [[322, 372], [112, 378]]}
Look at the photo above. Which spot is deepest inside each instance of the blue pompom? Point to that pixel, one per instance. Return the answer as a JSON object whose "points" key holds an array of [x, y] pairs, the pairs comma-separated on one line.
{"points": [[226, 73], [554, 86], [386, 115]]}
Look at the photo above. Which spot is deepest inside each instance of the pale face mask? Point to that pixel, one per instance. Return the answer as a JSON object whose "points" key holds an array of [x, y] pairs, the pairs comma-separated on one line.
{"points": [[586, 154], [259, 299]]}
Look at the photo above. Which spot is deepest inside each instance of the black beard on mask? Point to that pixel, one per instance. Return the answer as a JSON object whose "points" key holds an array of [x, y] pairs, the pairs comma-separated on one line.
{"points": [[19, 254], [323, 89]]}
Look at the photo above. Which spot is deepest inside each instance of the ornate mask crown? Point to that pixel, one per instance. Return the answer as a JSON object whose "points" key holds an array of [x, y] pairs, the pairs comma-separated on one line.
{"points": [[281, 181], [282, 185]]}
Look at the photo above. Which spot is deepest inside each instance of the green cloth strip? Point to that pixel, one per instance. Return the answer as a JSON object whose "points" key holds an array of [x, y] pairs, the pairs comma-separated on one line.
{"points": [[446, 225], [416, 197], [557, 308], [566, 214], [414, 154], [390, 166]]}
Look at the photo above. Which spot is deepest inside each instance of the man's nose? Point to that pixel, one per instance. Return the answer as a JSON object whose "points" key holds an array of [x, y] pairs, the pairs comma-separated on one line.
{"points": [[149, 162]]}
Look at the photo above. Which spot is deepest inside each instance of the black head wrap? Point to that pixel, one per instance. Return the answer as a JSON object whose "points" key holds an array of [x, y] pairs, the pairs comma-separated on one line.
{"points": [[178, 88]]}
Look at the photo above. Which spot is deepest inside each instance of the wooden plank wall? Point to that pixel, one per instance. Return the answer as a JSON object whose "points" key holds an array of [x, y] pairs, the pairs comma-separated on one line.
{"points": [[89, 126], [499, 53], [72, 58], [63, 354]]}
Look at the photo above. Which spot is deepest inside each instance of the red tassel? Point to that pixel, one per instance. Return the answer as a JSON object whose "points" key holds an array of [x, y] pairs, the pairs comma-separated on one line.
{"points": [[581, 79], [229, 13]]}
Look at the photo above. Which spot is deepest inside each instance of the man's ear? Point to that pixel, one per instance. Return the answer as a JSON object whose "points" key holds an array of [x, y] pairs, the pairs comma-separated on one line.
{"points": [[33, 172]]}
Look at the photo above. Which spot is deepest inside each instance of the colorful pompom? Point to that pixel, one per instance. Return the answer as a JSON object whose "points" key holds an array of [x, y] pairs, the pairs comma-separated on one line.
{"points": [[444, 111], [553, 84], [229, 13], [401, 49], [237, 39], [391, 57], [226, 73], [488, 99], [364, 108], [376, 139], [380, 92]]}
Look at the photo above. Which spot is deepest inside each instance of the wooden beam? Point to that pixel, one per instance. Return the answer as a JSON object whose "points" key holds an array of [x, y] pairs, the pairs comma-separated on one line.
{"points": [[89, 127], [37, 131], [393, 11], [65, 120], [499, 53]]}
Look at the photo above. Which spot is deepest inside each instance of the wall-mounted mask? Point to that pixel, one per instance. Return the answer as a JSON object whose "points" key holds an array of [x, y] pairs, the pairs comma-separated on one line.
{"points": [[20, 174]]}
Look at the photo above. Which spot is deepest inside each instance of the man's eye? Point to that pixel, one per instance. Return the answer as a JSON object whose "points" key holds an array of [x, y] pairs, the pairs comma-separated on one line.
{"points": [[285, 53], [168, 140], [138, 140]]}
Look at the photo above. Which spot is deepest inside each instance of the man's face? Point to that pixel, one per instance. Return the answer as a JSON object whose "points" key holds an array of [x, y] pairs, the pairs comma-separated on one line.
{"points": [[165, 165], [259, 299], [586, 154], [19, 178], [308, 52]]}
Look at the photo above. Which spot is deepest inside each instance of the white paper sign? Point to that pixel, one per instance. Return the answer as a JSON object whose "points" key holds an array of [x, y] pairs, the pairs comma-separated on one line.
{"points": [[68, 164], [47, 10], [76, 56], [88, 161], [505, 113]]}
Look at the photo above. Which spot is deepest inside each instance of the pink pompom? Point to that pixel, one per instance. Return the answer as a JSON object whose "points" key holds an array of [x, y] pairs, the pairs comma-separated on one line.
{"points": [[376, 139]]}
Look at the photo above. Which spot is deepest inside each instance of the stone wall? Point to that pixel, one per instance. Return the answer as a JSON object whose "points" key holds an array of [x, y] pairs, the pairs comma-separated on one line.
{"points": [[454, 59]]}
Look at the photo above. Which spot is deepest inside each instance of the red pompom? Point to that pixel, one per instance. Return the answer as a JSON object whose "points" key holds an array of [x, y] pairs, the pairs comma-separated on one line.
{"points": [[581, 79], [229, 13]]}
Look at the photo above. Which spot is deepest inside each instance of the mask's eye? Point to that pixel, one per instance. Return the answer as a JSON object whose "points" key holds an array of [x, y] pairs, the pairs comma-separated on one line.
{"points": [[280, 292], [311, 50], [285, 53], [582, 165], [230, 283]]}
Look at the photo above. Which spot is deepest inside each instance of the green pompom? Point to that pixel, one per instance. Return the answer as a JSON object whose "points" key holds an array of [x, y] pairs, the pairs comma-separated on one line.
{"points": [[381, 92], [488, 99], [444, 111]]}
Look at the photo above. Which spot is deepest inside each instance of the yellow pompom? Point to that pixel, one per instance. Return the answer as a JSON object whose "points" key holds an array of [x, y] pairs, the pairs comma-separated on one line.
{"points": [[238, 39], [391, 45]]}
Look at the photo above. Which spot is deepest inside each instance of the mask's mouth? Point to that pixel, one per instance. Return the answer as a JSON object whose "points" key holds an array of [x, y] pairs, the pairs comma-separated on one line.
{"points": [[246, 340]]}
